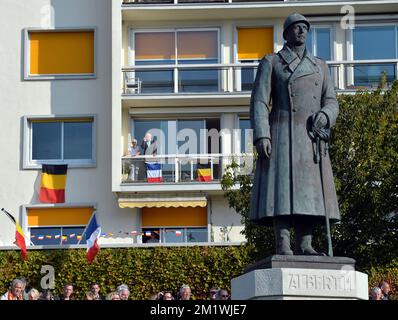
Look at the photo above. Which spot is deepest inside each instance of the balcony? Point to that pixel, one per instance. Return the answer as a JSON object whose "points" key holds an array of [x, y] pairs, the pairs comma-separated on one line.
{"points": [[181, 169], [137, 2], [188, 79], [232, 79], [362, 74]]}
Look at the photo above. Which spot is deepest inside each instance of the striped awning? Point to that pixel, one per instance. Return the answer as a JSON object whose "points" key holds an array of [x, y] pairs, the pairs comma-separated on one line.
{"points": [[162, 201]]}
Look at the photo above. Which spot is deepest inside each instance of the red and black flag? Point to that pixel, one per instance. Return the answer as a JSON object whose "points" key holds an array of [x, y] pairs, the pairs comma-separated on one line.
{"points": [[204, 172], [19, 235], [53, 181]]}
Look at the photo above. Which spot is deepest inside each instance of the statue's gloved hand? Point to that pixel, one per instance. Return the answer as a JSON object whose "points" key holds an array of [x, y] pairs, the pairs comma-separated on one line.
{"points": [[320, 120], [263, 147]]}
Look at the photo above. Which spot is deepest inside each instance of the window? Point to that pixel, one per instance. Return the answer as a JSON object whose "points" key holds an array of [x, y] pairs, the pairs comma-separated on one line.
{"points": [[60, 140], [319, 42], [383, 46], [253, 45], [60, 54], [177, 47], [57, 225], [246, 136], [57, 235], [174, 235], [174, 225], [182, 136]]}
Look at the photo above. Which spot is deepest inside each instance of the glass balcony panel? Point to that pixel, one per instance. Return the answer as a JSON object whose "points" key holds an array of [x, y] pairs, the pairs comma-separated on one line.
{"points": [[248, 76], [198, 80], [370, 76], [156, 81], [196, 234]]}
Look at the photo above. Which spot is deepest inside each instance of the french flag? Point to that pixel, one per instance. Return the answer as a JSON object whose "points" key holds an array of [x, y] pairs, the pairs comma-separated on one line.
{"points": [[154, 172], [93, 232]]}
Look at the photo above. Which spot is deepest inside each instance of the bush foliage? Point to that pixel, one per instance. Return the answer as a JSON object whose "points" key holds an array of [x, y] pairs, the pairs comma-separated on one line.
{"points": [[144, 270]]}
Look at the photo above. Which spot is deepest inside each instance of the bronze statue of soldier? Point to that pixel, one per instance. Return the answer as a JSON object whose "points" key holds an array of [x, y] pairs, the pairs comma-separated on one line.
{"points": [[293, 106]]}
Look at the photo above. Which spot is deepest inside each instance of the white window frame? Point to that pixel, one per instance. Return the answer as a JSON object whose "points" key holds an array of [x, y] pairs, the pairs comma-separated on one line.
{"points": [[28, 76], [25, 208], [29, 163], [175, 30], [350, 44], [237, 74], [331, 40]]}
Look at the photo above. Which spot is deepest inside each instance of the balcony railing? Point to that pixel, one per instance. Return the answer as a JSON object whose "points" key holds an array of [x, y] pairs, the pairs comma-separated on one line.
{"points": [[194, 1], [189, 78], [239, 77], [186, 168], [362, 74]]}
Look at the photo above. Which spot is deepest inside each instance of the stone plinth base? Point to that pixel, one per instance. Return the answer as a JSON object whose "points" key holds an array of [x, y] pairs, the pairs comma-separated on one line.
{"points": [[301, 277]]}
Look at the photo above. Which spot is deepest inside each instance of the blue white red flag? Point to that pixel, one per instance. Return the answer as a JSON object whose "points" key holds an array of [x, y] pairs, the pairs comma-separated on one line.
{"points": [[93, 233], [154, 172]]}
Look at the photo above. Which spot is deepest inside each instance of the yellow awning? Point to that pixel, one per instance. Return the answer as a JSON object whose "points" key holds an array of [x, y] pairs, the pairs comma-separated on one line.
{"points": [[162, 201]]}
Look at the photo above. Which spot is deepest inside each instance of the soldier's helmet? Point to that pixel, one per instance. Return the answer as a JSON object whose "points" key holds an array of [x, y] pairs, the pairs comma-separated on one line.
{"points": [[293, 18]]}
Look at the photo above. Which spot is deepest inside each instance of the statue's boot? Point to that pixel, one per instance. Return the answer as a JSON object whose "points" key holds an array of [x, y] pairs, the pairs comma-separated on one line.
{"points": [[304, 241], [282, 237]]}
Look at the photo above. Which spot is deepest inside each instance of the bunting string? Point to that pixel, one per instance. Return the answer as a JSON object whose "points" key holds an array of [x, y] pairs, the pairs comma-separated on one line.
{"points": [[134, 233]]}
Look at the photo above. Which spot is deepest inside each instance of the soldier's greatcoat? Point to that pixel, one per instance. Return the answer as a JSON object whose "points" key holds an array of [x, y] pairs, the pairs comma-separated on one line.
{"points": [[289, 182]]}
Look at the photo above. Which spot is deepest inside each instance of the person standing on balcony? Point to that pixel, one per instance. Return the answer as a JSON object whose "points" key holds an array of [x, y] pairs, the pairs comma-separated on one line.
{"points": [[293, 184], [133, 151], [148, 145]]}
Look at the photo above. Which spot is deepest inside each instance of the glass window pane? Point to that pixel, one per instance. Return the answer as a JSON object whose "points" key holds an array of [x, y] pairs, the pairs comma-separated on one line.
{"points": [[154, 46], [45, 236], [78, 142], [371, 75], [248, 75], [197, 45], [309, 43], [198, 80], [255, 43], [46, 140], [246, 136], [323, 43], [150, 235], [72, 234], [383, 42], [189, 130], [156, 81], [174, 235], [197, 235]]}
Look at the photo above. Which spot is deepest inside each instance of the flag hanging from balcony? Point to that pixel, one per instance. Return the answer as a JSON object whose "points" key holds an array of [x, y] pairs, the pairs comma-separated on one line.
{"points": [[204, 172], [53, 181], [19, 235], [154, 172]]}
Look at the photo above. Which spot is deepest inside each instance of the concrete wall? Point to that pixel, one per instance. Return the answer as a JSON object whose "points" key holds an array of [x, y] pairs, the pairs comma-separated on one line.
{"points": [[24, 98], [222, 216]]}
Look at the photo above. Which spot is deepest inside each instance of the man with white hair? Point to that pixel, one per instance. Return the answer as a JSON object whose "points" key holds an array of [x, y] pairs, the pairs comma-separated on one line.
{"points": [[124, 292], [185, 292], [148, 145], [375, 294], [15, 292]]}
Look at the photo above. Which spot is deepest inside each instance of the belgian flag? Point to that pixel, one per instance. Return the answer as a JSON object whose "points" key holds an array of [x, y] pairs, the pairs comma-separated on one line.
{"points": [[53, 181], [19, 235], [204, 172]]}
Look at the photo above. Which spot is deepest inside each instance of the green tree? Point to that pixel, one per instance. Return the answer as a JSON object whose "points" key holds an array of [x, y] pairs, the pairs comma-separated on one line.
{"points": [[364, 155]]}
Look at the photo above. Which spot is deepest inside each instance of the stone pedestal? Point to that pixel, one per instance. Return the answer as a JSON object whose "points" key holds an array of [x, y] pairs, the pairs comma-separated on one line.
{"points": [[301, 277]]}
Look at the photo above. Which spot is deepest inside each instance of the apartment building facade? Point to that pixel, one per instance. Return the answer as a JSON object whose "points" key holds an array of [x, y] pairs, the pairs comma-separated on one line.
{"points": [[82, 79]]}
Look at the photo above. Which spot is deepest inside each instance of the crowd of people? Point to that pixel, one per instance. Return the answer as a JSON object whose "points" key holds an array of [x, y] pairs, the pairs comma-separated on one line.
{"points": [[19, 290], [382, 292]]}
